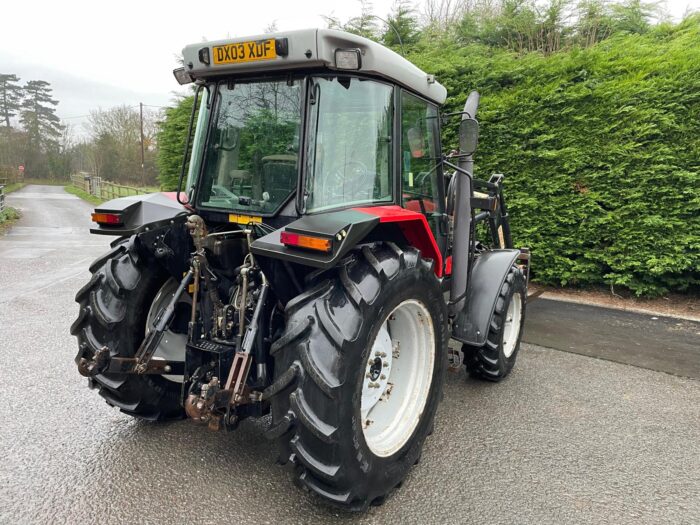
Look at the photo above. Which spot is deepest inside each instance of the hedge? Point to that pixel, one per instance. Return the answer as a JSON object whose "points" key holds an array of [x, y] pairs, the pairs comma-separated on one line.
{"points": [[601, 149]]}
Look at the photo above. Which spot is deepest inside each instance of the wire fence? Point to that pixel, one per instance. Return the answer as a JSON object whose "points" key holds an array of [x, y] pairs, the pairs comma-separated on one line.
{"points": [[104, 189]]}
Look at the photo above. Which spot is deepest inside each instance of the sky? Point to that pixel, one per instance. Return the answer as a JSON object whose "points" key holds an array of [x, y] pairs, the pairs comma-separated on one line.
{"points": [[101, 54]]}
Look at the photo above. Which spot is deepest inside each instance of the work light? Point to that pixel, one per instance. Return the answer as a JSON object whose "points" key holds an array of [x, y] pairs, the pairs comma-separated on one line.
{"points": [[347, 59]]}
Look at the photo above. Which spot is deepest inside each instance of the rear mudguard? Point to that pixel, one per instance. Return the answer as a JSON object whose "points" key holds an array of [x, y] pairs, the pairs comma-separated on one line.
{"points": [[139, 212], [487, 276], [157, 221], [345, 229]]}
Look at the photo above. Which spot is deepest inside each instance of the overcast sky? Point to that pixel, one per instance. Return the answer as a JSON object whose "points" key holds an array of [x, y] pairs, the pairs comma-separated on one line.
{"points": [[101, 54]]}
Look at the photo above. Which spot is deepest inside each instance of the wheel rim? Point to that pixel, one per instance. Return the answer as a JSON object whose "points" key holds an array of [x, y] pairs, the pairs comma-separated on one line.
{"points": [[511, 329], [397, 378], [172, 345]]}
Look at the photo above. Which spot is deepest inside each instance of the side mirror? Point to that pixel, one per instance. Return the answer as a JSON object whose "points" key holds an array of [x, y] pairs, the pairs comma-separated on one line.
{"points": [[468, 136]]}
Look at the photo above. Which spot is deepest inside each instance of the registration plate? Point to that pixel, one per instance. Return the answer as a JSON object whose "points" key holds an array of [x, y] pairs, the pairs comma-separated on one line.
{"points": [[245, 52], [243, 219]]}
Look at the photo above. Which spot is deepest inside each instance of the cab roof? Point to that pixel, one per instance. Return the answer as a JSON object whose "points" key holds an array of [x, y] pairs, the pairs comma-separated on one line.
{"points": [[308, 49]]}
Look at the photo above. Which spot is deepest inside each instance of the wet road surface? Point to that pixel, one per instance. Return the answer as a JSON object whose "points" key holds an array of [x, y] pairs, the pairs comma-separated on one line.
{"points": [[566, 439]]}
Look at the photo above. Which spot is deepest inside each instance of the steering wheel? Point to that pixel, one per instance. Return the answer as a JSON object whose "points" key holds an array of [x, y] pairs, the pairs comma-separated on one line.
{"points": [[349, 178]]}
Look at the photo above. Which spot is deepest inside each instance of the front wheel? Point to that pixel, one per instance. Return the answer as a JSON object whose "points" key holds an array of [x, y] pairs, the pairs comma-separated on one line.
{"points": [[495, 359], [358, 375]]}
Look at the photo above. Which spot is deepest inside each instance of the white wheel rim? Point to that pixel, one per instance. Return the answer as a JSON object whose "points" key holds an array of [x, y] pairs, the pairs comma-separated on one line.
{"points": [[172, 346], [397, 378], [511, 329]]}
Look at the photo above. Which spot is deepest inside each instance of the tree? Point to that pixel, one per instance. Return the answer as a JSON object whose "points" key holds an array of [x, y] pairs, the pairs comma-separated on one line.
{"points": [[633, 16], [363, 25], [594, 22], [38, 117], [42, 126], [117, 139], [440, 15], [10, 97], [171, 142], [402, 26]]}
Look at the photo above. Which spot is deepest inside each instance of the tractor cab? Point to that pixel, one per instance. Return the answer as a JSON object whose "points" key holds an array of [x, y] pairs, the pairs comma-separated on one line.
{"points": [[309, 122]]}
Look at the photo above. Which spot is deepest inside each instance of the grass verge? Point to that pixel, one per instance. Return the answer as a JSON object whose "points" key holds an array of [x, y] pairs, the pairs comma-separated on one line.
{"points": [[7, 217], [82, 194], [14, 187]]}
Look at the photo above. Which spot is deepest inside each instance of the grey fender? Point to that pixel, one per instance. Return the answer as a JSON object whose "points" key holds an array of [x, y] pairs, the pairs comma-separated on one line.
{"points": [[487, 277], [139, 212], [344, 228]]}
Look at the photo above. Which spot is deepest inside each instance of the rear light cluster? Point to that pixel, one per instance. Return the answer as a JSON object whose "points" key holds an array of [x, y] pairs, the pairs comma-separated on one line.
{"points": [[309, 242], [111, 219]]}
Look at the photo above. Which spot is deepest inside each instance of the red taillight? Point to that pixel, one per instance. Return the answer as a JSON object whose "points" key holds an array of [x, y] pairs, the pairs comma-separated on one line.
{"points": [[112, 219], [299, 240]]}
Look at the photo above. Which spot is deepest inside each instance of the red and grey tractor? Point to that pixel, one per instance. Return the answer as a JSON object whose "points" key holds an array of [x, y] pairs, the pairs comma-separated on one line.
{"points": [[319, 258]]}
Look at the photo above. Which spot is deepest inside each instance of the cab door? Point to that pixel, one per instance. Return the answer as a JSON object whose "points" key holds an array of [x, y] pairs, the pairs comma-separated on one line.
{"points": [[420, 163]]}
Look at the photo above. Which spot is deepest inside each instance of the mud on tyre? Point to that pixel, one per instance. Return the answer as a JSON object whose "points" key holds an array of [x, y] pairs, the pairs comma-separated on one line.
{"points": [[324, 361]]}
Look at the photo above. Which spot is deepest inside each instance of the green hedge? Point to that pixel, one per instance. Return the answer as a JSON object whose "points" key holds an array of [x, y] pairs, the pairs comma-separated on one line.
{"points": [[601, 149], [171, 142]]}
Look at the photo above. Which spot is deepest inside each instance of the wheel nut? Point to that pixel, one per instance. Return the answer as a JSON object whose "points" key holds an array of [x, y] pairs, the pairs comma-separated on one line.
{"points": [[382, 376]]}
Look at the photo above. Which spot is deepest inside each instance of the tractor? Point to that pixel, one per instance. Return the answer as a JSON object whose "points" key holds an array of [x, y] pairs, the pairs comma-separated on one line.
{"points": [[318, 256]]}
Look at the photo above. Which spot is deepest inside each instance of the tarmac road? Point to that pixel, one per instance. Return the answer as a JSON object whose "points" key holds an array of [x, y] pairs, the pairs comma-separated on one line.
{"points": [[566, 439]]}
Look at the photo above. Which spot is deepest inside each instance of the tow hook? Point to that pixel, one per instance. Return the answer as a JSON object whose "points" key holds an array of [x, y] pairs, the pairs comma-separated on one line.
{"points": [[92, 366]]}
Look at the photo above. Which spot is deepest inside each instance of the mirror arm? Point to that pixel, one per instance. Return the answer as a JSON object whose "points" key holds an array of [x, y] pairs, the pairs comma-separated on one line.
{"points": [[455, 167]]}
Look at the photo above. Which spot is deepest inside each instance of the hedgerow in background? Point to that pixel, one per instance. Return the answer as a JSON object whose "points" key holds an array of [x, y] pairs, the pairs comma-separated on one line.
{"points": [[171, 142], [601, 148]]}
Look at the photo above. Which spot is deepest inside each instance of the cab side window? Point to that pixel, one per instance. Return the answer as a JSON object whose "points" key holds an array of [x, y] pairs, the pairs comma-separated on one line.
{"points": [[420, 160]]}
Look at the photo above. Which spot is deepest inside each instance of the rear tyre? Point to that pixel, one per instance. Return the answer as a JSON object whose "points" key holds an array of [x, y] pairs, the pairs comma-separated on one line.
{"points": [[114, 306], [355, 346], [495, 359]]}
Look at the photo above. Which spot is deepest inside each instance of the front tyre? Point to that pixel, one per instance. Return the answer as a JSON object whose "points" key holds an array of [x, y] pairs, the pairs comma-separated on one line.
{"points": [[359, 373], [495, 359]]}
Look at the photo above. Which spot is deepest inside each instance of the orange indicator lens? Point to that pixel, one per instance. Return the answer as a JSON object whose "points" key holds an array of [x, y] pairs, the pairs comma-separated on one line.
{"points": [[306, 241], [106, 218]]}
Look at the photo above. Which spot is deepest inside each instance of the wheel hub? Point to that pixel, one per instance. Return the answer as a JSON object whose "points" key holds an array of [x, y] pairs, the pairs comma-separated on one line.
{"points": [[397, 378], [511, 328], [377, 372], [375, 369]]}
